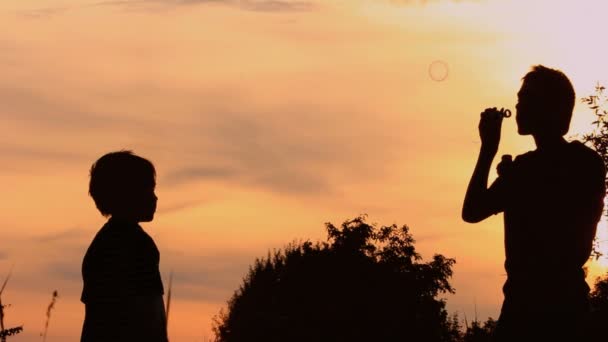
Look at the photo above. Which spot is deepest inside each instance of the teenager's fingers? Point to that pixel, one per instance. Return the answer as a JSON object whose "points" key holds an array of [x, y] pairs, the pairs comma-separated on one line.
{"points": [[491, 115], [492, 112]]}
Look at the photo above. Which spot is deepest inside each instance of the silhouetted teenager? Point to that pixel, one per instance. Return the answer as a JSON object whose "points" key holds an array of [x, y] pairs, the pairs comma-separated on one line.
{"points": [[123, 291], [552, 199]]}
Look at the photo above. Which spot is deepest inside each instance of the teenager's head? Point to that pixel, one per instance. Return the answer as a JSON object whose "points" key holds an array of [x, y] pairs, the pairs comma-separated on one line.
{"points": [[122, 186], [545, 103]]}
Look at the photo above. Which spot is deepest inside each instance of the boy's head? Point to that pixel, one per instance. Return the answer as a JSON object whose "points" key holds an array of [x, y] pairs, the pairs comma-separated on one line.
{"points": [[122, 185], [545, 102]]}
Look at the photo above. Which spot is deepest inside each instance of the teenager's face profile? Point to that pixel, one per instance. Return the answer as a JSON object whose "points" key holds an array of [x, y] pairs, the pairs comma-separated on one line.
{"points": [[527, 109]]}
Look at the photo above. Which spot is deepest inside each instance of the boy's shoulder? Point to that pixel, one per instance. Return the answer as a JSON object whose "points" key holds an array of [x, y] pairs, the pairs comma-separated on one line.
{"points": [[120, 237], [121, 262]]}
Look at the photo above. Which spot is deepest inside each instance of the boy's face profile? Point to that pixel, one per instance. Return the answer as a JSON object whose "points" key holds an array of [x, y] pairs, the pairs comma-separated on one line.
{"points": [[139, 203], [147, 201]]}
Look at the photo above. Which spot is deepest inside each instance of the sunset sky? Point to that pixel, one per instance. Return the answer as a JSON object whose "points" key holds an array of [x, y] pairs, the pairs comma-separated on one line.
{"points": [[265, 119]]}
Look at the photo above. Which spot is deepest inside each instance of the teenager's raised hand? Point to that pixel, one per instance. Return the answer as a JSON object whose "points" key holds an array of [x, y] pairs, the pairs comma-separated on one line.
{"points": [[490, 125]]}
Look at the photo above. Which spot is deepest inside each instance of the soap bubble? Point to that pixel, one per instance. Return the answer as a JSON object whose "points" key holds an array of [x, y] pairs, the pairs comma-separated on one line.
{"points": [[438, 70]]}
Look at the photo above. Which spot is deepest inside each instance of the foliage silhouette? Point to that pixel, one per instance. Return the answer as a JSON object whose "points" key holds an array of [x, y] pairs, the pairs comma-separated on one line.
{"points": [[598, 138], [598, 299], [478, 332], [364, 284]]}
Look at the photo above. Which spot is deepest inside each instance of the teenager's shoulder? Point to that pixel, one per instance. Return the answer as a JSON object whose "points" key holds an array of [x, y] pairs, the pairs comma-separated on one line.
{"points": [[524, 158], [576, 150], [581, 148], [587, 155]]}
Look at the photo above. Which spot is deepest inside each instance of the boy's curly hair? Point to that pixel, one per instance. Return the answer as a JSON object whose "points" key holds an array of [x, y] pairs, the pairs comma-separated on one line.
{"points": [[117, 174]]}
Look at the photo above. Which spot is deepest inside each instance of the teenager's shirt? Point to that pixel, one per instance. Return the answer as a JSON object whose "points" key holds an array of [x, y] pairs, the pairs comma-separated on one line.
{"points": [[122, 283], [552, 202]]}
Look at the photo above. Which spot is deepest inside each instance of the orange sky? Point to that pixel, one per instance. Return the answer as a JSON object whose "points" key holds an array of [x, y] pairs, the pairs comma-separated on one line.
{"points": [[265, 119]]}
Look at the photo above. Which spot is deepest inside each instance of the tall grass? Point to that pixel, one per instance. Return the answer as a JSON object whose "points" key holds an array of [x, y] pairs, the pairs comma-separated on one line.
{"points": [[48, 314], [169, 298], [4, 333], [168, 303]]}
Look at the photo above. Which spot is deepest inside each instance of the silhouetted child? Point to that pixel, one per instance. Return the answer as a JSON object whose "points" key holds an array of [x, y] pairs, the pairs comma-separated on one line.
{"points": [[552, 199], [123, 291]]}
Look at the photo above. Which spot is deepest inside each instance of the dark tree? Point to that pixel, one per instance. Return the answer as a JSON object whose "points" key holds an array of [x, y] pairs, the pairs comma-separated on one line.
{"points": [[364, 284]]}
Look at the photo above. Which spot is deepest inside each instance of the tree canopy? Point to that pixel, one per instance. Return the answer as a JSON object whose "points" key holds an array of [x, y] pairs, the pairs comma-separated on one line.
{"points": [[365, 283]]}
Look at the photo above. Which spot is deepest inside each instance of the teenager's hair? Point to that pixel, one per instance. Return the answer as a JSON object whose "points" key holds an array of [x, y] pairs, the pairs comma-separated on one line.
{"points": [[117, 174], [554, 92]]}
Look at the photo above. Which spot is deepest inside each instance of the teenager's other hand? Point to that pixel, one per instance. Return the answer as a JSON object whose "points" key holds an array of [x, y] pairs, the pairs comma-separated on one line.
{"points": [[505, 165]]}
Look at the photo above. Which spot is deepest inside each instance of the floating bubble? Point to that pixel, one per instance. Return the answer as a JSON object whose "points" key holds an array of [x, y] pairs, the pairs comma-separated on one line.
{"points": [[438, 70]]}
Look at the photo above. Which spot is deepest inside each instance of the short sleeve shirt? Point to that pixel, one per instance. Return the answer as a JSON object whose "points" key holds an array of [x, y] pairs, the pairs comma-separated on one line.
{"points": [[121, 262], [552, 202]]}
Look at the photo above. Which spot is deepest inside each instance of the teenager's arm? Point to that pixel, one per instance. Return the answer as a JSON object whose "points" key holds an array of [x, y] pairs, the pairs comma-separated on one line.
{"points": [[477, 202]]}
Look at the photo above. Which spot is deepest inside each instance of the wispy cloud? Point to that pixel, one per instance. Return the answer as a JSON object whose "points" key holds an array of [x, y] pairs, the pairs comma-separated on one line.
{"points": [[252, 5], [223, 141], [177, 206], [283, 179], [44, 13], [203, 172], [429, 2], [208, 278], [145, 5], [277, 6], [36, 107], [29, 152], [62, 236], [248, 151]]}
